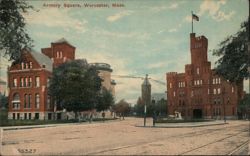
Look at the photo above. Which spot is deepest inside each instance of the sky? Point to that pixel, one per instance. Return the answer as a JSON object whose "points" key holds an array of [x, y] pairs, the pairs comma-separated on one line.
{"points": [[140, 37]]}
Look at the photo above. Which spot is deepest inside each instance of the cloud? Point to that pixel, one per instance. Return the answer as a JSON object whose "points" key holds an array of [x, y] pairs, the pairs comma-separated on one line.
{"points": [[173, 6], [157, 65], [213, 9], [119, 15], [172, 30], [56, 18]]}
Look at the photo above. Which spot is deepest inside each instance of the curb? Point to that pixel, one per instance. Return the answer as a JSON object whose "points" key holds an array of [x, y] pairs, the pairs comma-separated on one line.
{"points": [[181, 126]]}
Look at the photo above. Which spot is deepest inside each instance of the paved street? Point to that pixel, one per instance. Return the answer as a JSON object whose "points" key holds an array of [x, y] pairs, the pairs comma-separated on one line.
{"points": [[123, 137]]}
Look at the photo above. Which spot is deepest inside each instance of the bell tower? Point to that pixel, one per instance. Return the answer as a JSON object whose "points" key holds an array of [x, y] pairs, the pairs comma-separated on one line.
{"points": [[198, 49]]}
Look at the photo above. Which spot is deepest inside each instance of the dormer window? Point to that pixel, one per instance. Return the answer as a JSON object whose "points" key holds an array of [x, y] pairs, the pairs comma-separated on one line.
{"points": [[27, 66], [30, 64]]}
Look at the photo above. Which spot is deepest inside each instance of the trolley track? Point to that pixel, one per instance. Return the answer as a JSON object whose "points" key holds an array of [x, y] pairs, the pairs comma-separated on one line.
{"points": [[191, 134]]}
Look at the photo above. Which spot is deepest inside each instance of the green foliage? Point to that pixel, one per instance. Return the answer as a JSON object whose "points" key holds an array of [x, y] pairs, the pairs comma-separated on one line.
{"points": [[244, 104], [159, 107], [122, 107], [234, 56], [105, 100], [12, 31], [75, 86], [3, 101]]}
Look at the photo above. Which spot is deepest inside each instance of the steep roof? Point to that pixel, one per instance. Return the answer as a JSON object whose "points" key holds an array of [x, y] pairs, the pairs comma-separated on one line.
{"points": [[146, 82], [63, 40], [42, 59]]}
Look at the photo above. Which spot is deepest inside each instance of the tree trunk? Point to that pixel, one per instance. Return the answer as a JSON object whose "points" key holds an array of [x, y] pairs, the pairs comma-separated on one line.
{"points": [[75, 115]]}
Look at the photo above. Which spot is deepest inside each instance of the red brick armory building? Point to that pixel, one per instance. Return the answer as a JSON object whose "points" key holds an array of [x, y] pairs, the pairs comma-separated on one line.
{"points": [[199, 92]]}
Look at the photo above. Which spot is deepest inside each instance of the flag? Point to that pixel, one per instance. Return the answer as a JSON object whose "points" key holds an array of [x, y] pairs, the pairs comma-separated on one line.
{"points": [[195, 17]]}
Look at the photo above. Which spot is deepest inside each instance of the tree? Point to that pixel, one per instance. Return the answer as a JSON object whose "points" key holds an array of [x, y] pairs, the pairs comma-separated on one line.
{"points": [[12, 31], [139, 107], [122, 108], [234, 56], [3, 101], [244, 106], [161, 107], [105, 100], [75, 86]]}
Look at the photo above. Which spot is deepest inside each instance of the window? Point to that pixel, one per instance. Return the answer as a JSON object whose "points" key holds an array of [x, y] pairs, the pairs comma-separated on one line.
{"points": [[214, 91], [30, 116], [198, 82], [48, 82], [218, 91], [170, 85], [195, 82], [198, 71], [30, 65], [29, 101], [192, 93], [21, 82], [30, 81], [25, 116], [208, 91], [61, 55], [37, 101], [22, 65], [26, 100], [16, 101], [48, 102], [26, 82], [37, 82], [27, 65], [174, 93], [216, 81], [201, 82], [219, 80], [14, 82], [57, 54], [232, 89]]}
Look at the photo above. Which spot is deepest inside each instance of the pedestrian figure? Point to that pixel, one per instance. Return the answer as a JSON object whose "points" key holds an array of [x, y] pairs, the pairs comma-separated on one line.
{"points": [[103, 115]]}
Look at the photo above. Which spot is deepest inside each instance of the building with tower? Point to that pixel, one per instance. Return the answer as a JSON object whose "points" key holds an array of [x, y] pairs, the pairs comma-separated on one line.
{"points": [[146, 91], [199, 92]]}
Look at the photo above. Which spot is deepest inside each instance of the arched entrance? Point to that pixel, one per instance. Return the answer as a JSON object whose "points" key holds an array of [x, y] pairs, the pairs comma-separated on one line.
{"points": [[197, 113]]}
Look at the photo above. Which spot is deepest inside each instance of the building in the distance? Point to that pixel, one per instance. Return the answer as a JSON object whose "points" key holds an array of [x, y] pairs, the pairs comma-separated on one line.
{"points": [[199, 92], [28, 82], [105, 74]]}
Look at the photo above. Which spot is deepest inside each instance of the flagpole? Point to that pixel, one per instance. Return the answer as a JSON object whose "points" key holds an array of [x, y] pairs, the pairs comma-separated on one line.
{"points": [[192, 20]]}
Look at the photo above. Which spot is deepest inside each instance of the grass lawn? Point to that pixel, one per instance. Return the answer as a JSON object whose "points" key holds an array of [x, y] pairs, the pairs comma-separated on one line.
{"points": [[5, 122]]}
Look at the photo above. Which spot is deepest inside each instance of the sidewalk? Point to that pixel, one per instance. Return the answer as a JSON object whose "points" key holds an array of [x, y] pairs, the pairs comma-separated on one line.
{"points": [[183, 125], [53, 125]]}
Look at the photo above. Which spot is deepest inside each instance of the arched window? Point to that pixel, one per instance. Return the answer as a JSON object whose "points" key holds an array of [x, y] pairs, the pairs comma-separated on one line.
{"points": [[16, 101]]}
